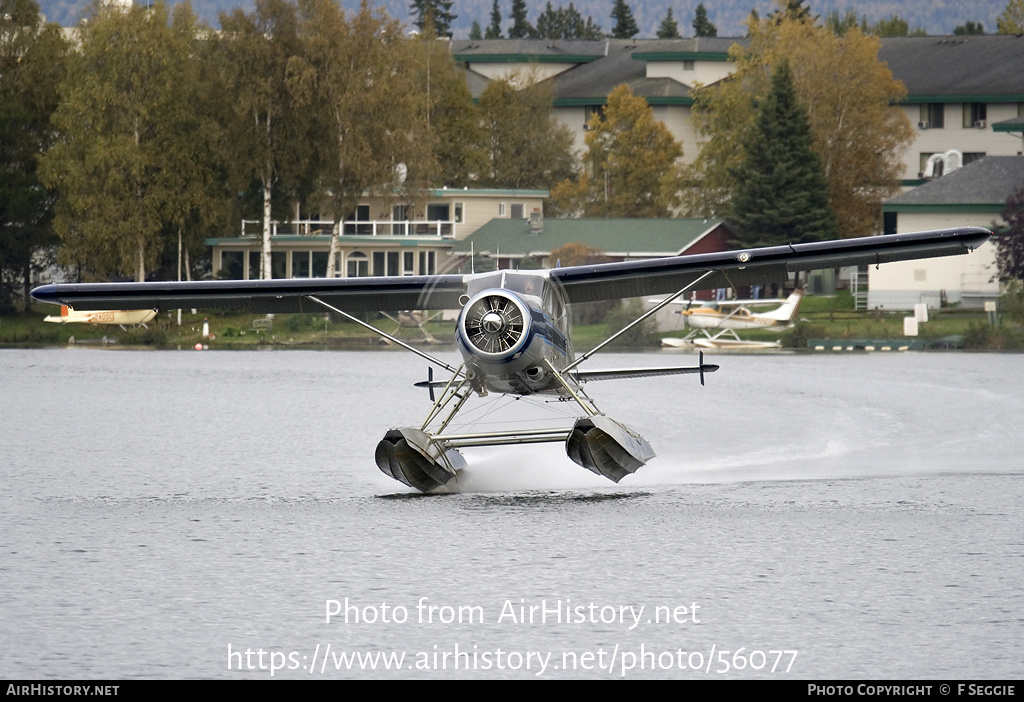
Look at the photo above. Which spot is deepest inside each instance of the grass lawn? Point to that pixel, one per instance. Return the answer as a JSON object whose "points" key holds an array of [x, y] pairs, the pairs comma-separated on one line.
{"points": [[820, 317]]}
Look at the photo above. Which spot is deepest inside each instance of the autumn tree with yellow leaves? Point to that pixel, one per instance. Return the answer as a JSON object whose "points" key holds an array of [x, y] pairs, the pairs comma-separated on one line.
{"points": [[850, 97], [631, 167]]}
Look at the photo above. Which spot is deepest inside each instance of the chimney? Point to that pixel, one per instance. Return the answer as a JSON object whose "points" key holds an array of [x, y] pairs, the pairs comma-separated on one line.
{"points": [[536, 222]]}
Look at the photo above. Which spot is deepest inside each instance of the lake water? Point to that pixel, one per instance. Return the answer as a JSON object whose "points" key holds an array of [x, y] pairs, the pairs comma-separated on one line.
{"points": [[198, 515]]}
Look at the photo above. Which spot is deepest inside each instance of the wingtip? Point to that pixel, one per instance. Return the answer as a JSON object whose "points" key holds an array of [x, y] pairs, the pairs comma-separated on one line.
{"points": [[45, 293]]}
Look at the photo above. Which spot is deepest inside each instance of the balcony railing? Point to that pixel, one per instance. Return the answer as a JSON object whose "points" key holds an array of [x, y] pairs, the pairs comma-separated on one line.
{"points": [[440, 229]]}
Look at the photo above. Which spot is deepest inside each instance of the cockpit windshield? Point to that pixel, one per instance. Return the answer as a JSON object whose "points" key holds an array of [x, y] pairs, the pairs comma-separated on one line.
{"points": [[514, 281]]}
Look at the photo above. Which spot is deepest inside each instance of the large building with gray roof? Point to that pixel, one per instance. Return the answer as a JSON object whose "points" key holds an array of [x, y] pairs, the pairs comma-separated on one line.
{"points": [[964, 94]]}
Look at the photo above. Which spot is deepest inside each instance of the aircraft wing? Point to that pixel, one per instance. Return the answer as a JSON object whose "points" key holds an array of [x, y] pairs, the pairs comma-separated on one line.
{"points": [[766, 265], [369, 294], [582, 283]]}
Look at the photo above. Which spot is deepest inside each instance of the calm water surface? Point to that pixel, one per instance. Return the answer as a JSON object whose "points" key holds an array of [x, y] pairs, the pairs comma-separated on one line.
{"points": [[162, 513]]}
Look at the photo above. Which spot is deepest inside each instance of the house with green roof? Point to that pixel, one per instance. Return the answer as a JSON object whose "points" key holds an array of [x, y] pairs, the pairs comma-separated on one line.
{"points": [[974, 195], [382, 237], [509, 241]]}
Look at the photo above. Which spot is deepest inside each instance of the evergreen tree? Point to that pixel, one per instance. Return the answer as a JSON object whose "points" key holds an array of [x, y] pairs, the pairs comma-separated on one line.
{"points": [[475, 32], [32, 57], [436, 12], [592, 30], [494, 28], [782, 194], [549, 23], [791, 10], [566, 23], [521, 28], [668, 29], [625, 26], [841, 24], [969, 28], [702, 26], [894, 26]]}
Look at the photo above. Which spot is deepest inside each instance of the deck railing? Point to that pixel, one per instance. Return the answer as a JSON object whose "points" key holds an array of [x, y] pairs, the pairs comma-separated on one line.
{"points": [[440, 229]]}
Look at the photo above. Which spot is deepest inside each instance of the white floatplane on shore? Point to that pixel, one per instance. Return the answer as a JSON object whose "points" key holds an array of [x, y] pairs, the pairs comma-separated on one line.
{"points": [[719, 320]]}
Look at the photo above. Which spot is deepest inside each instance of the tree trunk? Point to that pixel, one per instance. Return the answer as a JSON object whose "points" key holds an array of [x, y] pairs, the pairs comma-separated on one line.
{"points": [[265, 269], [332, 252]]}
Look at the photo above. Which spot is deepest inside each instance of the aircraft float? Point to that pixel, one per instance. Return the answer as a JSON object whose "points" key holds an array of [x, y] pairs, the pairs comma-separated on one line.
{"points": [[122, 318], [513, 333]]}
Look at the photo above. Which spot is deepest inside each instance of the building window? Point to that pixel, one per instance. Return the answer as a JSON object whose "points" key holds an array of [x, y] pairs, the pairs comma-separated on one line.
{"points": [[459, 210], [385, 263], [689, 65], [975, 115], [400, 220], [438, 212], [517, 211], [408, 262], [231, 264], [932, 116], [590, 112], [890, 221], [501, 209], [972, 156], [300, 264], [358, 265], [427, 262], [363, 215], [279, 264], [320, 264]]}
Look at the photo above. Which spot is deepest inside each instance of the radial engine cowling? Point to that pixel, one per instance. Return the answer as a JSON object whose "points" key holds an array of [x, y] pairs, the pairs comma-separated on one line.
{"points": [[494, 326]]}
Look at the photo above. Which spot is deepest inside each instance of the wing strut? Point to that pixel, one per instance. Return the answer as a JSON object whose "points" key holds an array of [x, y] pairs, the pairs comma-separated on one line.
{"points": [[636, 321], [375, 330]]}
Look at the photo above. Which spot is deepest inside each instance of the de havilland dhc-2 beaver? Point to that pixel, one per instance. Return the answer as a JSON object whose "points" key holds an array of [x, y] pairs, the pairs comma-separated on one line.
{"points": [[513, 333]]}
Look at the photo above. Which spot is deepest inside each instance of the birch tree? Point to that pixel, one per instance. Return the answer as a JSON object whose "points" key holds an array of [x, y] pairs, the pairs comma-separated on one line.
{"points": [[356, 79], [32, 56], [270, 129], [111, 164]]}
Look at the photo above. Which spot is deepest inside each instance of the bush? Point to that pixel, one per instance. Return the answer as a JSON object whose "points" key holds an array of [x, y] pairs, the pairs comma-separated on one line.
{"points": [[1011, 304], [643, 334], [801, 333]]}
